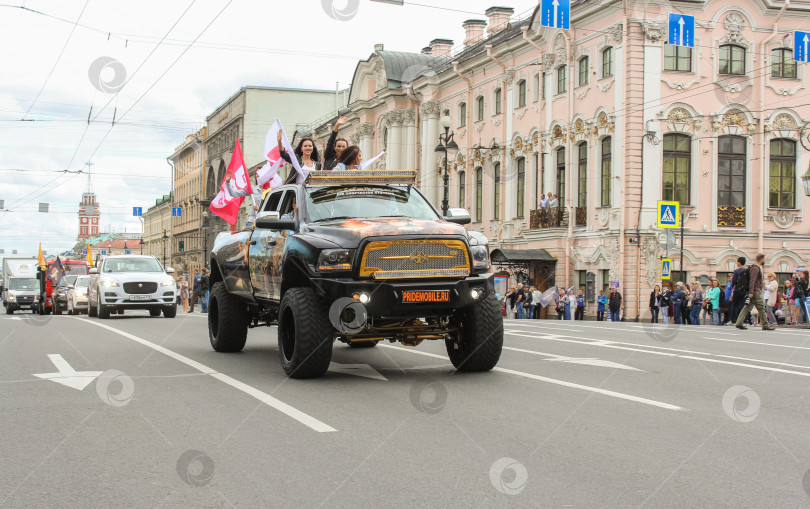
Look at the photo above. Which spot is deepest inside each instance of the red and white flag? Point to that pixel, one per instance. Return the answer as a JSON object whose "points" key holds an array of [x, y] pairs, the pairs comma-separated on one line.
{"points": [[235, 186], [267, 176]]}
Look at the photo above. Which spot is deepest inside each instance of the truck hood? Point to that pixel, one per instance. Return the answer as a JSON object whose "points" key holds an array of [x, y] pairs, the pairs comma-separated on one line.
{"points": [[23, 293], [349, 232]]}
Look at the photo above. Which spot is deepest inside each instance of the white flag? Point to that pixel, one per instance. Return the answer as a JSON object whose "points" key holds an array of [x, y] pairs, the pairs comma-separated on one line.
{"points": [[273, 155], [367, 164]]}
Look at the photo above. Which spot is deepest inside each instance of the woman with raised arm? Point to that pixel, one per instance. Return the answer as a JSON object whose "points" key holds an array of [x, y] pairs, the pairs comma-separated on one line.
{"points": [[308, 158], [335, 146]]}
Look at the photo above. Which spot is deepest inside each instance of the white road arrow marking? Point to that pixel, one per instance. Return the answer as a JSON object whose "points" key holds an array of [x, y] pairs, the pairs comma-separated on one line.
{"points": [[357, 369], [680, 31], [67, 375], [593, 361]]}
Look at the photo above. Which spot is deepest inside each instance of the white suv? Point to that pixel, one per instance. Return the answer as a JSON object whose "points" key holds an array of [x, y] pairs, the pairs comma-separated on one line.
{"points": [[132, 282]]}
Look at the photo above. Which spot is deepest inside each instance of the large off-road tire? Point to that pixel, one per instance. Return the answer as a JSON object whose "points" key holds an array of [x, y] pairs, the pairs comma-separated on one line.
{"points": [[103, 311], [304, 334], [169, 312], [228, 320], [154, 312], [363, 344], [481, 337]]}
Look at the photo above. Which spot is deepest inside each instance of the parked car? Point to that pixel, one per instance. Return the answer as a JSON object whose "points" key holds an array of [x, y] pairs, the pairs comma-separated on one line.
{"points": [[77, 296], [60, 294], [131, 282]]}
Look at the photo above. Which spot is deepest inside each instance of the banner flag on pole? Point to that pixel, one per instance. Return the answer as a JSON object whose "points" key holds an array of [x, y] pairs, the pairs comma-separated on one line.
{"points": [[267, 176], [235, 186]]}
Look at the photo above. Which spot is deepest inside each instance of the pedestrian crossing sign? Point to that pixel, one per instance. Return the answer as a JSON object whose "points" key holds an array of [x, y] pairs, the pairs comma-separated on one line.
{"points": [[668, 213], [666, 268]]}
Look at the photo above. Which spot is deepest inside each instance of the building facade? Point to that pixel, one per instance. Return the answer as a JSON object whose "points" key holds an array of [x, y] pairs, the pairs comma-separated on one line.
{"points": [[187, 235], [610, 119], [89, 214], [157, 228]]}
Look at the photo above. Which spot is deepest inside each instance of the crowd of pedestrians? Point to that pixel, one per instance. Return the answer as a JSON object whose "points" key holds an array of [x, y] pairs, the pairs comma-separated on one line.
{"points": [[187, 297], [750, 296]]}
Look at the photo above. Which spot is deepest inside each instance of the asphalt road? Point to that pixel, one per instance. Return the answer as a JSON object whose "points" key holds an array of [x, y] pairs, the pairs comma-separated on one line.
{"points": [[141, 412]]}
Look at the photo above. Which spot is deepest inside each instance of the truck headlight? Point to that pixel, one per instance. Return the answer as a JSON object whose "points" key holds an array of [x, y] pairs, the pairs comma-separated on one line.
{"points": [[335, 259], [12, 298], [109, 282], [480, 256]]}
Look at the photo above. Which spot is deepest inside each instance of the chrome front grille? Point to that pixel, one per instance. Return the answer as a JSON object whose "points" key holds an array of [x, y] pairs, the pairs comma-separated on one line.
{"points": [[424, 258]]}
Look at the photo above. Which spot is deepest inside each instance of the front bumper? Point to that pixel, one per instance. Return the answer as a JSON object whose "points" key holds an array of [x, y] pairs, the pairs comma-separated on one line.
{"points": [[116, 296], [387, 297], [79, 303]]}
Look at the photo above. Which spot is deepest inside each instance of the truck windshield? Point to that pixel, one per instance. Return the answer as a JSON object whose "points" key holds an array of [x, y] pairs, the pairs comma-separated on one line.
{"points": [[132, 265], [80, 269], [23, 284], [367, 201]]}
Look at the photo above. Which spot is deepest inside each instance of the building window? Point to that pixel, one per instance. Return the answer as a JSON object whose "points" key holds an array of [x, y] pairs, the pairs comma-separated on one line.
{"points": [[521, 186], [783, 174], [479, 194], [479, 114], [583, 71], [782, 63], [561, 73], [496, 194], [498, 101], [462, 190], [536, 88], [677, 167], [521, 94], [462, 114], [84, 230], [561, 175], [607, 172], [732, 59], [607, 62], [582, 175], [731, 171], [677, 58]]}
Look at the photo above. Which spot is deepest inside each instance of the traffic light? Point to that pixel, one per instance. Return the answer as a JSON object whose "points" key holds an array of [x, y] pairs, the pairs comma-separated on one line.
{"points": [[182, 246]]}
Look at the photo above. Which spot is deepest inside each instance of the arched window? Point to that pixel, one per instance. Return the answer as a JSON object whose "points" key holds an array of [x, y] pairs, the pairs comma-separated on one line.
{"points": [[607, 62], [582, 175], [607, 172], [561, 78], [462, 114], [782, 63], [732, 59], [462, 188], [479, 107], [479, 194], [561, 175], [583, 71], [677, 168], [498, 101], [521, 94], [521, 187], [496, 191], [783, 174], [731, 171]]}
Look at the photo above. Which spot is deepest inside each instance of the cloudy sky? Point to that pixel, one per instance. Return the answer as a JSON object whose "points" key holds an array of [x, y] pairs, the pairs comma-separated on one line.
{"points": [[177, 61]]}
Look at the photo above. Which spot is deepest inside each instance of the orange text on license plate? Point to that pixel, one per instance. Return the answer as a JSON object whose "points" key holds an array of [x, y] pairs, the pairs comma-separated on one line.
{"points": [[426, 296]]}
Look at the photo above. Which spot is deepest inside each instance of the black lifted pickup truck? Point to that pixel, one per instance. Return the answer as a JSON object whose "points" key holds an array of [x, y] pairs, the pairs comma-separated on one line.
{"points": [[357, 257]]}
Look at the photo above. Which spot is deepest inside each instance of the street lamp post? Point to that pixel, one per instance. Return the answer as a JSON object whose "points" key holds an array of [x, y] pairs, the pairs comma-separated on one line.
{"points": [[447, 147], [165, 237]]}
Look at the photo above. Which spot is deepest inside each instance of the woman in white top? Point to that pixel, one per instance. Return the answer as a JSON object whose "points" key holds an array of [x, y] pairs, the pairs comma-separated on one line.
{"points": [[308, 158], [772, 290]]}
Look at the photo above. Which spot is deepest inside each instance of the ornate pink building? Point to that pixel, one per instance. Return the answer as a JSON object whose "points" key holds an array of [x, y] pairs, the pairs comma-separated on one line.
{"points": [[611, 119]]}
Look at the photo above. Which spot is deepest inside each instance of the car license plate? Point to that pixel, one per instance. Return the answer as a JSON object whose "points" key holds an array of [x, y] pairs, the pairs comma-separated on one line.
{"points": [[425, 296], [140, 297]]}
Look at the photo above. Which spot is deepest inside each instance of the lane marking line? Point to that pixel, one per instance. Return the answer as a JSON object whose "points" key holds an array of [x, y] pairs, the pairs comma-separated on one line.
{"points": [[563, 383], [305, 419]]}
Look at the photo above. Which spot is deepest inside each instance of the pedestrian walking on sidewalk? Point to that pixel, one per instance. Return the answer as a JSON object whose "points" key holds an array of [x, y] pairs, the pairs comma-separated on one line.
{"points": [[204, 287], [615, 305], [511, 295], [536, 307], [695, 303], [770, 294], [665, 301], [196, 291], [737, 294], [601, 302], [754, 298], [560, 307], [800, 281], [790, 303], [580, 312], [713, 303], [182, 287], [677, 297], [520, 298], [655, 304]]}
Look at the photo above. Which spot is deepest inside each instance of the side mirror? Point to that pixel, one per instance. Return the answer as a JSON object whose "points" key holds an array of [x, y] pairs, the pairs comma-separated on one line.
{"points": [[94, 271], [268, 223], [169, 270], [458, 216]]}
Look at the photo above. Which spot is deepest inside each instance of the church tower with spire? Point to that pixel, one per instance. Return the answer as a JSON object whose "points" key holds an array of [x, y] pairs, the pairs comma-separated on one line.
{"points": [[89, 214]]}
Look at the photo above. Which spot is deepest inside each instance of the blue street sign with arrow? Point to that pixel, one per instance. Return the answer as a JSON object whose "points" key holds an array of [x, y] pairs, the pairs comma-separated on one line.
{"points": [[681, 30], [176, 211], [137, 211], [556, 14], [800, 43]]}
